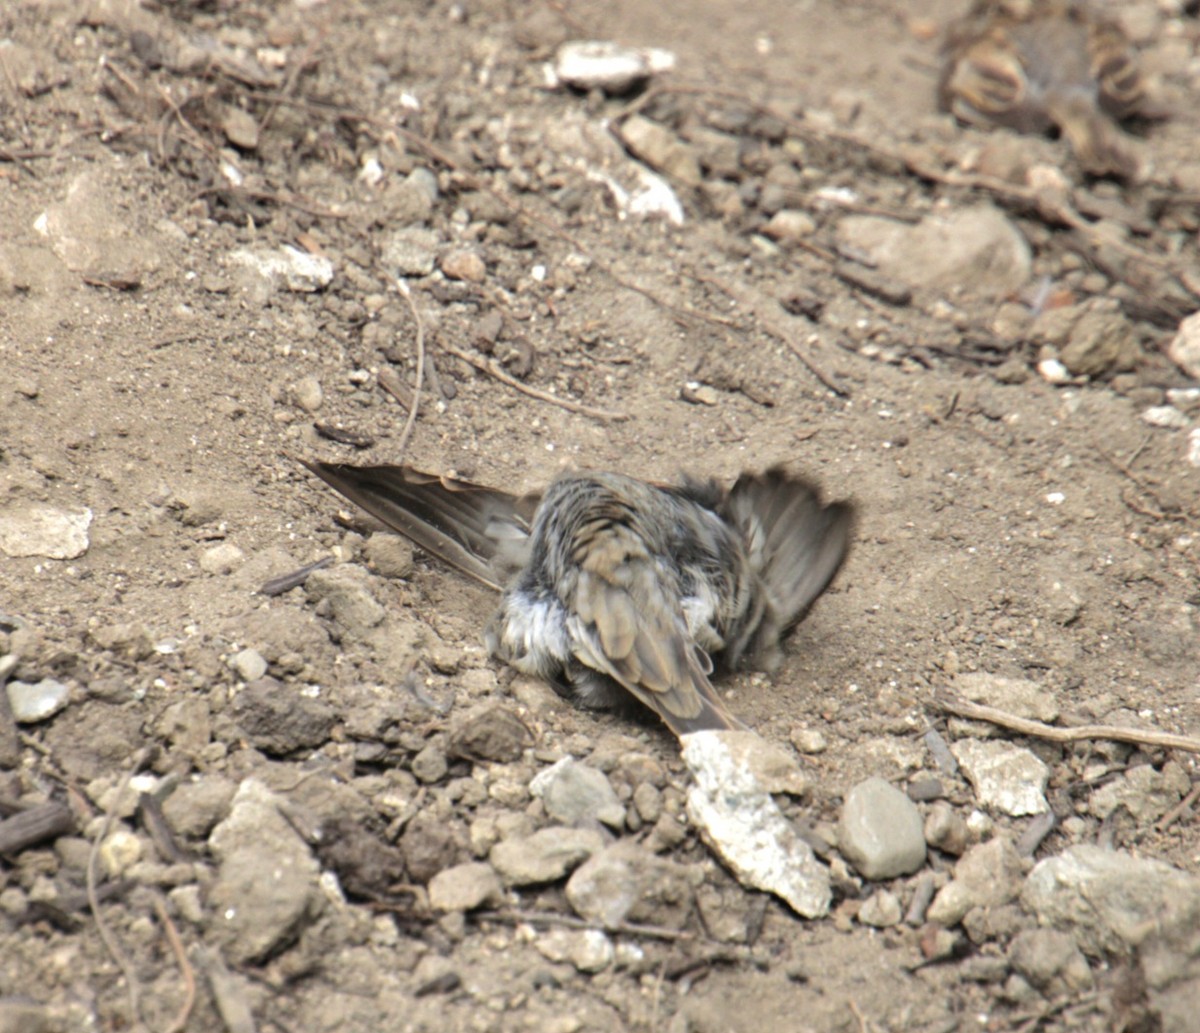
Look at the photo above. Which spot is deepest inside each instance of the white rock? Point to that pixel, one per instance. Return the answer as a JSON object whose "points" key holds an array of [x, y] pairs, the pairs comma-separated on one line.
{"points": [[1193, 449], [119, 851], [1006, 778], [739, 820], [1184, 348], [224, 558], [1053, 372], [1165, 416], [32, 702], [297, 270], [600, 64], [35, 529]]}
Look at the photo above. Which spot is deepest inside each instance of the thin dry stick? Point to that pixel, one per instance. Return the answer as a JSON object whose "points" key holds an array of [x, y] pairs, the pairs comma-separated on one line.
{"points": [[768, 323], [1178, 811], [952, 704], [406, 294], [106, 934], [493, 370], [185, 967], [571, 922]]}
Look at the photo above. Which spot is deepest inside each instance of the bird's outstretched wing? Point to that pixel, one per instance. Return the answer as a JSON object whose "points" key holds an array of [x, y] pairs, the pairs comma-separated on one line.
{"points": [[483, 532], [794, 542]]}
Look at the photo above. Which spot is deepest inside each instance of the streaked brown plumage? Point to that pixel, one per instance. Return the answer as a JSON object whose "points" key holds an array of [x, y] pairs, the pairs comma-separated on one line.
{"points": [[1033, 66], [616, 588]]}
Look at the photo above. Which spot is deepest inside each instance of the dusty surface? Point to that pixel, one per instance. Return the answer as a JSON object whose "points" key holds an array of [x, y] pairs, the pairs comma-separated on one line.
{"points": [[1007, 524]]}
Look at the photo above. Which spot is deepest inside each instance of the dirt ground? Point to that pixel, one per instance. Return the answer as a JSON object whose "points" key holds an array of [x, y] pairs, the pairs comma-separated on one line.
{"points": [[1009, 524]]}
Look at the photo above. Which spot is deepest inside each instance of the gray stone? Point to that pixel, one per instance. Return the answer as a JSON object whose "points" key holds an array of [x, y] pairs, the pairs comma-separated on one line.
{"points": [[1108, 900], [978, 250], [1051, 961], [575, 793], [223, 558], [37, 701], [464, 887], [307, 393], [880, 831], [430, 845], [1102, 340], [411, 251], [738, 818], [647, 801], [1006, 778], [661, 149], [388, 555], [1018, 696], [195, 807], [987, 875], [35, 529], [430, 765], [265, 891], [626, 883], [186, 724], [249, 664], [346, 589], [545, 856], [491, 732], [279, 720], [946, 829], [881, 910]]}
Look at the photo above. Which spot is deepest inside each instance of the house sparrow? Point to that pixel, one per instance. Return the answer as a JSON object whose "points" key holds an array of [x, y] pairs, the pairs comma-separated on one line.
{"points": [[1033, 66], [614, 588]]}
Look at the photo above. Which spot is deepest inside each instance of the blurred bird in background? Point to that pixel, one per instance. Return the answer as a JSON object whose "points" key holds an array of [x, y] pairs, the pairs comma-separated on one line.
{"points": [[1033, 66], [615, 589]]}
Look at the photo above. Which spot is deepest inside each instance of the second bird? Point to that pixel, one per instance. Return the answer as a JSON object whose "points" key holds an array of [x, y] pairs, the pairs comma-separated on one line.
{"points": [[617, 589]]}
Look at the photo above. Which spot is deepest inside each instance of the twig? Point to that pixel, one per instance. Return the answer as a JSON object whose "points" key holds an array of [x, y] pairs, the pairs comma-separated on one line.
{"points": [[863, 1025], [185, 967], [405, 434], [227, 991], [771, 327], [1179, 810], [293, 579], [35, 825], [571, 922], [950, 703], [493, 370], [1038, 830], [106, 934]]}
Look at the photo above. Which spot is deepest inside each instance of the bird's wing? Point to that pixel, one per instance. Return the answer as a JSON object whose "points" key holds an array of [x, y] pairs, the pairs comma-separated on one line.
{"points": [[481, 531], [795, 543], [626, 625]]}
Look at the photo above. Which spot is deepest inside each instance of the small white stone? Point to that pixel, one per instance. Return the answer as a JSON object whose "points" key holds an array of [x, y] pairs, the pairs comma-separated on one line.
{"points": [[222, 559], [249, 664], [1053, 371], [1165, 416], [1193, 451], [119, 852]]}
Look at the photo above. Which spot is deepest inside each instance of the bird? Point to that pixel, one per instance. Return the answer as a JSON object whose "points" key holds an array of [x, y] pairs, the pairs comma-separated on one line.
{"points": [[615, 589], [1035, 65]]}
